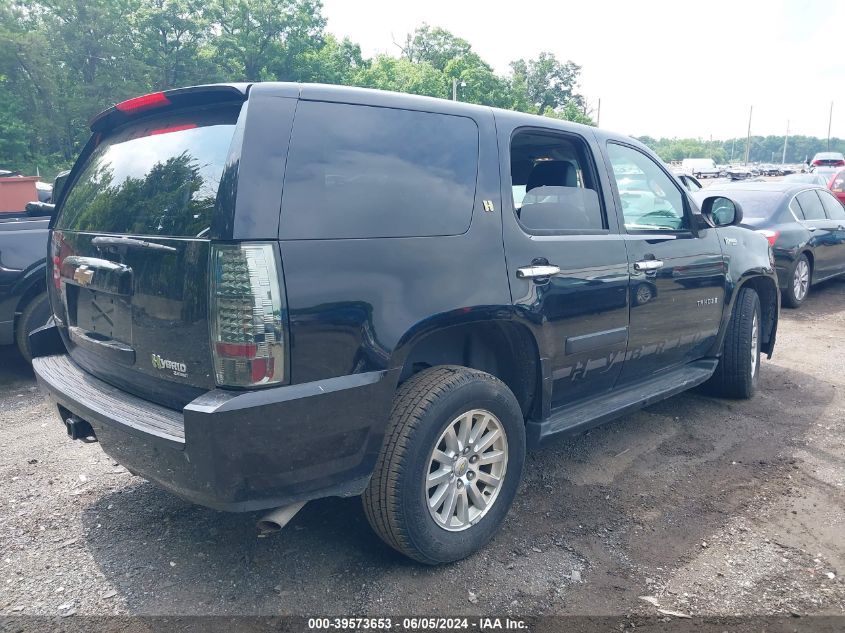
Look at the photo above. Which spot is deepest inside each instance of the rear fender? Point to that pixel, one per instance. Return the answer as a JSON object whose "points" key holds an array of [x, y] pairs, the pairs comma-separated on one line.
{"points": [[764, 283]]}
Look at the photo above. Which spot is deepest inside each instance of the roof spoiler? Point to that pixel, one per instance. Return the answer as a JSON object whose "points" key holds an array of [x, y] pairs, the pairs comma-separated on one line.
{"points": [[194, 96]]}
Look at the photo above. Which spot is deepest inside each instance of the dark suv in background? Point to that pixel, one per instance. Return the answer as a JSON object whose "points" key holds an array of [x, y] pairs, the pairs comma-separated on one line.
{"points": [[265, 294]]}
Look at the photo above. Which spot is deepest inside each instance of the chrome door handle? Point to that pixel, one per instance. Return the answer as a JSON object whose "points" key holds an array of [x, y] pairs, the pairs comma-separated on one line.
{"points": [[648, 265], [532, 272]]}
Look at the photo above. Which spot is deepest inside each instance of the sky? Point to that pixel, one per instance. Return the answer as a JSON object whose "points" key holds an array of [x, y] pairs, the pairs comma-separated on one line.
{"points": [[661, 68]]}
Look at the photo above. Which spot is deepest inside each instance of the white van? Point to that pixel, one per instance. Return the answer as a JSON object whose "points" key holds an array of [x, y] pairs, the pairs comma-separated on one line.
{"points": [[700, 167]]}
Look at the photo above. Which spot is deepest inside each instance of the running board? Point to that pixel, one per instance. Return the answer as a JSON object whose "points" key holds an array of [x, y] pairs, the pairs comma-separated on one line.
{"points": [[619, 402]]}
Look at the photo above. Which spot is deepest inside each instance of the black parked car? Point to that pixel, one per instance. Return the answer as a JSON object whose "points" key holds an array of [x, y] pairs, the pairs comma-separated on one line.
{"points": [[805, 225], [690, 182], [23, 285], [273, 293]]}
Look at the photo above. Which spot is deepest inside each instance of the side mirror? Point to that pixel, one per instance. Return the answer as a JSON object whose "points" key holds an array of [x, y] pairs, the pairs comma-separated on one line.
{"points": [[721, 211], [40, 209]]}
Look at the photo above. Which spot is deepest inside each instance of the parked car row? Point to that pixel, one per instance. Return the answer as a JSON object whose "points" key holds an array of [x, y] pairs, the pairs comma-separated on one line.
{"points": [[805, 226]]}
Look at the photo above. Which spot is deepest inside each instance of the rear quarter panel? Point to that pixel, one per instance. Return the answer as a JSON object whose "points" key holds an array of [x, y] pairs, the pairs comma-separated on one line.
{"points": [[746, 255], [354, 303]]}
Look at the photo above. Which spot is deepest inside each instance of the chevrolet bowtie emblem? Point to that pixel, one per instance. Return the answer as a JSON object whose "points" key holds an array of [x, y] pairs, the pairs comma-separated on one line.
{"points": [[83, 275]]}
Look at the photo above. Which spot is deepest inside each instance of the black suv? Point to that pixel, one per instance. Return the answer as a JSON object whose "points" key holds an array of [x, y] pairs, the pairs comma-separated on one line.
{"points": [[265, 294]]}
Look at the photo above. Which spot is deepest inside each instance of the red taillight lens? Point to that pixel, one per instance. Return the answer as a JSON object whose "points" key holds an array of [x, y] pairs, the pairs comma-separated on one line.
{"points": [[144, 102], [56, 260], [771, 236], [246, 315]]}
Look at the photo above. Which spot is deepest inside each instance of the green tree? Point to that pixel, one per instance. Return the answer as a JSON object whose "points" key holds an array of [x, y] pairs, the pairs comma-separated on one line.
{"points": [[570, 112], [263, 39], [542, 83], [170, 34], [435, 46], [334, 62], [402, 75]]}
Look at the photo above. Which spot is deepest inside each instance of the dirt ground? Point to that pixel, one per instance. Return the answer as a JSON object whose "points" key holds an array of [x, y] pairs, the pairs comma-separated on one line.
{"points": [[695, 505]]}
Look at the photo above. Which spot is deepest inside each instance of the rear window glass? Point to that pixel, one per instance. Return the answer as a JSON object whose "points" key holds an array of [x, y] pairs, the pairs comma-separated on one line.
{"points": [[361, 171], [155, 177], [756, 205]]}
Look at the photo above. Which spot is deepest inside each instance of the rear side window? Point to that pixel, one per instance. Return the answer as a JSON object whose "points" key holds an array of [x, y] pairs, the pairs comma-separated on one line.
{"points": [[157, 176], [553, 183], [361, 171], [811, 205], [834, 208]]}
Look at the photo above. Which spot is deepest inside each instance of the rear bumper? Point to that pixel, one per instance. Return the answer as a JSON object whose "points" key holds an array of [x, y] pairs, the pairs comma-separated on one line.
{"points": [[236, 451]]}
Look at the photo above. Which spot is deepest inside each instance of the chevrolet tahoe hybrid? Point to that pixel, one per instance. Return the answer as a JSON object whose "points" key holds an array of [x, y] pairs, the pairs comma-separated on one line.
{"points": [[265, 294]]}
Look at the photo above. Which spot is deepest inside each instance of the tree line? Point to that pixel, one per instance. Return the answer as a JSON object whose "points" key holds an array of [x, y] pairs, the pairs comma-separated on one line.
{"points": [[62, 61], [764, 149]]}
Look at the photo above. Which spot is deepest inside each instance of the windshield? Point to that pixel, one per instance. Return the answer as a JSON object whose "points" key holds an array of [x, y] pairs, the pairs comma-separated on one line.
{"points": [[155, 177]]}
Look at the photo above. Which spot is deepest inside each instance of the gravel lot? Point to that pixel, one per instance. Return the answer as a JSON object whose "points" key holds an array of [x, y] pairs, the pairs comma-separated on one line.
{"points": [[695, 505]]}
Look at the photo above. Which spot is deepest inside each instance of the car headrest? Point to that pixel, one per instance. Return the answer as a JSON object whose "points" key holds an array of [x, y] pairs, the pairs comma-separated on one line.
{"points": [[551, 173]]}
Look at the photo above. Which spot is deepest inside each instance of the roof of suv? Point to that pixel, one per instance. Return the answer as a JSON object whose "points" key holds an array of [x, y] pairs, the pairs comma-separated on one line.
{"points": [[338, 93]]}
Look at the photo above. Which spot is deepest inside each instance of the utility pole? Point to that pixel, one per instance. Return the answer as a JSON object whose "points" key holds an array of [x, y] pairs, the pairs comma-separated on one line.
{"points": [[598, 114], [748, 138], [829, 121], [455, 88], [785, 139], [733, 147]]}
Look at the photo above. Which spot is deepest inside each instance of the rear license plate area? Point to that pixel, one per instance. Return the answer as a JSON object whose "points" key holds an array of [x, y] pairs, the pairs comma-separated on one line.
{"points": [[103, 315]]}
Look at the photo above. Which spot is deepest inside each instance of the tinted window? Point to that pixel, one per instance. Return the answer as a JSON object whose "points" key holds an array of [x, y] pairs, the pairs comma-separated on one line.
{"points": [[811, 205], [360, 171], [650, 198], [756, 205], [796, 209], [553, 183], [155, 177], [834, 208]]}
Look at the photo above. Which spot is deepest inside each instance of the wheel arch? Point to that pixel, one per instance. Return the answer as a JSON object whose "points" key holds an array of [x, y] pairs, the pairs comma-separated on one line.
{"points": [[811, 258], [32, 283], [767, 291], [503, 348]]}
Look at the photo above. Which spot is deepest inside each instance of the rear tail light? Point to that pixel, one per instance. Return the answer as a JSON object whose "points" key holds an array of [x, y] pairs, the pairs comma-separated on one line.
{"points": [[56, 260], [771, 236], [246, 315]]}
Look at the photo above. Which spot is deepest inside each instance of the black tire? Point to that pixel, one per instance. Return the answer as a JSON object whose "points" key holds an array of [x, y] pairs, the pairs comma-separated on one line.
{"points": [[736, 376], [35, 314], [396, 500], [791, 299]]}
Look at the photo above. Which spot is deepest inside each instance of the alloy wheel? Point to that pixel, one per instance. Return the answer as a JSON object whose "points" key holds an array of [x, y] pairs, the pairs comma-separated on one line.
{"points": [[466, 470], [801, 280], [755, 344]]}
